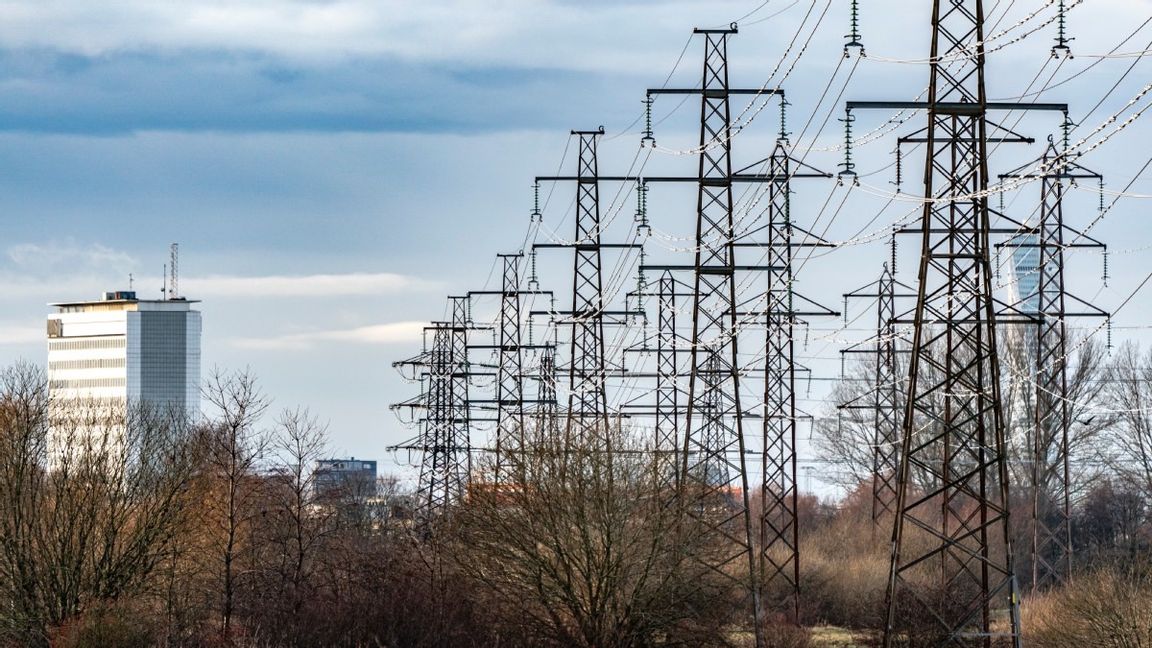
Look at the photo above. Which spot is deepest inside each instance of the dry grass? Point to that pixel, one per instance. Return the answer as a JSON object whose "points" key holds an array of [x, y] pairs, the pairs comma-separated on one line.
{"points": [[833, 637], [1103, 610]]}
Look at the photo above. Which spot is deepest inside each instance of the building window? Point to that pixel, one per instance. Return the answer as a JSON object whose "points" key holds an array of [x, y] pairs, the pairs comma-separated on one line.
{"points": [[97, 363], [87, 383], [117, 342]]}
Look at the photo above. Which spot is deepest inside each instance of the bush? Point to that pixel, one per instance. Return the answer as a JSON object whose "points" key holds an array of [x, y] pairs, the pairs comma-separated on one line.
{"points": [[844, 569], [1103, 609], [107, 626], [786, 635]]}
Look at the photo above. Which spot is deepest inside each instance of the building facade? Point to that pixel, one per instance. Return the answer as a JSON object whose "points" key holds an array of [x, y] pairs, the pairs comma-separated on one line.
{"points": [[1026, 269], [120, 351], [344, 479]]}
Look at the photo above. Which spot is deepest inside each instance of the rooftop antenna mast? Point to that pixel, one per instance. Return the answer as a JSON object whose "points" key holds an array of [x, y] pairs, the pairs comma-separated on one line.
{"points": [[174, 270]]}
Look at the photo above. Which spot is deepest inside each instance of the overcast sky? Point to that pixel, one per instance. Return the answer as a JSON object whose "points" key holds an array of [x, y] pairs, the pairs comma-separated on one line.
{"points": [[333, 168]]}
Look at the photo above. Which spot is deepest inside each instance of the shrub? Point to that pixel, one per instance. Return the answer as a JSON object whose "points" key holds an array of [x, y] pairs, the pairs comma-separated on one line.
{"points": [[107, 626], [1103, 609]]}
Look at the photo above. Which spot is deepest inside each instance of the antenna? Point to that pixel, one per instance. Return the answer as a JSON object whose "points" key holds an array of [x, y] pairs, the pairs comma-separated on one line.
{"points": [[130, 279], [174, 270], [164, 284]]}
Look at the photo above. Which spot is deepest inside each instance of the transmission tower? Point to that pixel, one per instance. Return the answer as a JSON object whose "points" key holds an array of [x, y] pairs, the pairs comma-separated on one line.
{"points": [[587, 412], [587, 400], [510, 367], [509, 399], [884, 396], [959, 570], [444, 439], [443, 476], [779, 530], [1048, 472], [667, 381], [546, 393], [714, 484]]}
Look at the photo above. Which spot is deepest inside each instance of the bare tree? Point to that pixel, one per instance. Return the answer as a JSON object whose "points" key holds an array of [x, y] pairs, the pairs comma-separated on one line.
{"points": [[845, 436], [1130, 397], [292, 527], [584, 550], [302, 441], [1086, 374], [91, 525], [236, 447]]}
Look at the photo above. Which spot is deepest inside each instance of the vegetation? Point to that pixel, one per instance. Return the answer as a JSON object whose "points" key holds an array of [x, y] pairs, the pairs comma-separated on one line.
{"points": [[210, 533]]}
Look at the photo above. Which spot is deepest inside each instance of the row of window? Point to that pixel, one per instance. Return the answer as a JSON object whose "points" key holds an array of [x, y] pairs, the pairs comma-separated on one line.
{"points": [[87, 383], [90, 343], [97, 363]]}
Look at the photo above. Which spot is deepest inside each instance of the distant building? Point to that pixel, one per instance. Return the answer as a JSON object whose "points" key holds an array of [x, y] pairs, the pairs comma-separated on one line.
{"points": [[1026, 269], [121, 350], [344, 480]]}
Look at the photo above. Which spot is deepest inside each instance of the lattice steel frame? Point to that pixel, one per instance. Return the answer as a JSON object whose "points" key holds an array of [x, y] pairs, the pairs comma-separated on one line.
{"points": [[446, 465], [962, 509], [1051, 527], [510, 368], [440, 480], [883, 399], [886, 443], [779, 531], [667, 382], [713, 430], [587, 399], [546, 394], [779, 557]]}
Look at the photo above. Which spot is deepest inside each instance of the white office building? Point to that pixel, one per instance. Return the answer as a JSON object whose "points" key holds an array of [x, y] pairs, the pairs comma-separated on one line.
{"points": [[120, 350]]}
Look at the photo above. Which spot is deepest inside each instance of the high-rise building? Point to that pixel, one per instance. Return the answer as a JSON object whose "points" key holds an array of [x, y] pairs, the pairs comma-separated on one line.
{"points": [[120, 351], [1026, 268]]}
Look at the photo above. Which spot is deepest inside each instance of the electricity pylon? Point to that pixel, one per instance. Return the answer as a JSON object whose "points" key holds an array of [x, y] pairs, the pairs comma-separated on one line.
{"points": [[1050, 527], [957, 570]]}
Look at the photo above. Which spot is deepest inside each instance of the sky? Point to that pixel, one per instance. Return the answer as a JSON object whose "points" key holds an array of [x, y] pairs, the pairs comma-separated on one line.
{"points": [[332, 169]]}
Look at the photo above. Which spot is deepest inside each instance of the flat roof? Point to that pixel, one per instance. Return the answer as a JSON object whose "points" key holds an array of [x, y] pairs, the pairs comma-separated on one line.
{"points": [[96, 302]]}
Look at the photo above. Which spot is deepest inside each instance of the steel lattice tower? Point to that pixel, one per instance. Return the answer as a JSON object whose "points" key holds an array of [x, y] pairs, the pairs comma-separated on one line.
{"points": [[445, 465], [587, 400], [779, 559], [546, 392], [510, 367], [884, 395], [714, 431], [509, 348], [886, 450], [959, 573], [440, 480], [461, 375], [667, 381], [1051, 528], [886, 453], [1048, 472], [780, 535]]}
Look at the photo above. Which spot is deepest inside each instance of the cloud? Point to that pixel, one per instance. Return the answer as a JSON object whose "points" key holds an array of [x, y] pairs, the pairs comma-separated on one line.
{"points": [[41, 258], [317, 285], [393, 333], [503, 32], [131, 91], [53, 272]]}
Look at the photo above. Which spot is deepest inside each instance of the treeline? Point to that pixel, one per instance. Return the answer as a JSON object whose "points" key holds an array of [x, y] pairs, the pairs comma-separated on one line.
{"points": [[154, 530], [210, 533]]}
